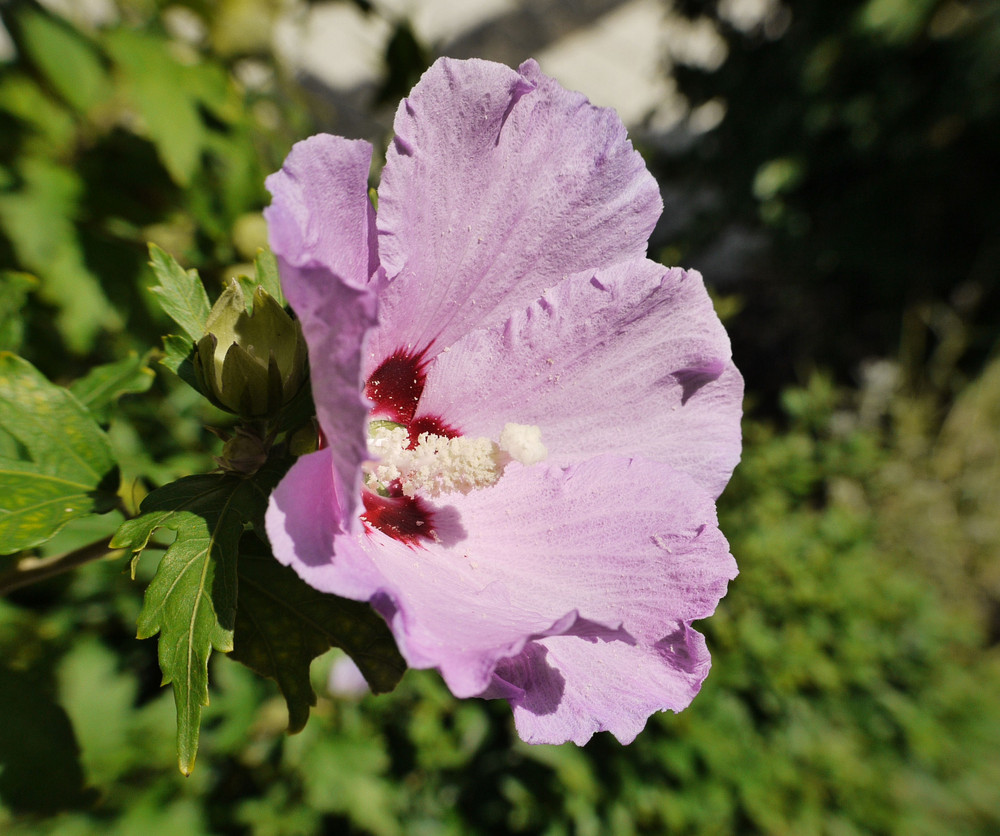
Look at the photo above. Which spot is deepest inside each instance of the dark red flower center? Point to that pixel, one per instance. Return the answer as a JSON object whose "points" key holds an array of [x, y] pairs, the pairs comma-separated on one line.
{"points": [[396, 385], [404, 518], [395, 388]]}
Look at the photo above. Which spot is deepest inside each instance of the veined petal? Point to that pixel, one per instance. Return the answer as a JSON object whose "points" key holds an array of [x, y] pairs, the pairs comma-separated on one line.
{"points": [[561, 688], [336, 326], [544, 552], [497, 185], [510, 288], [320, 215], [630, 360], [321, 228]]}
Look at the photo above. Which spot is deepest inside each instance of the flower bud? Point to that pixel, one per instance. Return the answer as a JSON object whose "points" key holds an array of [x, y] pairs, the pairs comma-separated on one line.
{"points": [[243, 454], [250, 363]]}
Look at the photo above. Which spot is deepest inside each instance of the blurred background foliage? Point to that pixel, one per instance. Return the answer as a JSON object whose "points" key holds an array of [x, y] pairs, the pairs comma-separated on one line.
{"points": [[856, 681], [859, 146]]}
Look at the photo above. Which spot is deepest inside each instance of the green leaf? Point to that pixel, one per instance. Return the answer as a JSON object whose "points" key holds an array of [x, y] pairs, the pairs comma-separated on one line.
{"points": [[266, 269], [118, 732], [69, 471], [160, 90], [52, 127], [14, 289], [211, 86], [182, 295], [191, 601], [40, 769], [69, 62], [38, 221], [178, 356], [282, 624], [103, 385]]}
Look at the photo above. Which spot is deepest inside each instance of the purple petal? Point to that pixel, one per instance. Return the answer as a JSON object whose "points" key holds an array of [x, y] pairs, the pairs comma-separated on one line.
{"points": [[346, 680], [305, 525], [561, 688], [320, 215], [498, 184], [608, 549], [569, 587], [631, 360], [321, 228]]}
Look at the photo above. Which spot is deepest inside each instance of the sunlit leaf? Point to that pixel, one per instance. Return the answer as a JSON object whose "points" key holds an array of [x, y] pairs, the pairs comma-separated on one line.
{"points": [[68, 470], [52, 125], [266, 268], [282, 624], [191, 601], [182, 295], [168, 95]]}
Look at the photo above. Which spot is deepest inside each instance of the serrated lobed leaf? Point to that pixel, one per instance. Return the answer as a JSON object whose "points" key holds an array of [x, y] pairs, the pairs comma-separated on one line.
{"points": [[282, 624], [70, 471], [182, 295], [191, 601]]}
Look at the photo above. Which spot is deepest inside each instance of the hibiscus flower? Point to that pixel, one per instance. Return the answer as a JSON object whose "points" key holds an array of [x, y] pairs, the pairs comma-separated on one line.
{"points": [[527, 422]]}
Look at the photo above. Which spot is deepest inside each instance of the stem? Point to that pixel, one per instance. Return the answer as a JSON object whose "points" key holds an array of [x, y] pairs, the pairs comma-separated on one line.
{"points": [[30, 570]]}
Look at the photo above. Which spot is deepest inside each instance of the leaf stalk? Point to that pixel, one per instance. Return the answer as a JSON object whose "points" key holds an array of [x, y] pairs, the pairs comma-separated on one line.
{"points": [[32, 569]]}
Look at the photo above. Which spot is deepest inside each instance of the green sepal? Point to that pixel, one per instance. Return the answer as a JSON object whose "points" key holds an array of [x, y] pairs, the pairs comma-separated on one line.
{"points": [[244, 386]]}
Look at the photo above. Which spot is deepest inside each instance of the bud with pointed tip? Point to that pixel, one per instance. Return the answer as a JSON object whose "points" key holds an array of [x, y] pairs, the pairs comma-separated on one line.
{"points": [[251, 364]]}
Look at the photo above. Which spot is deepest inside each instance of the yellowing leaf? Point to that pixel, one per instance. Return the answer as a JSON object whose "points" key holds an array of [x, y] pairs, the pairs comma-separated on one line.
{"points": [[67, 471]]}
